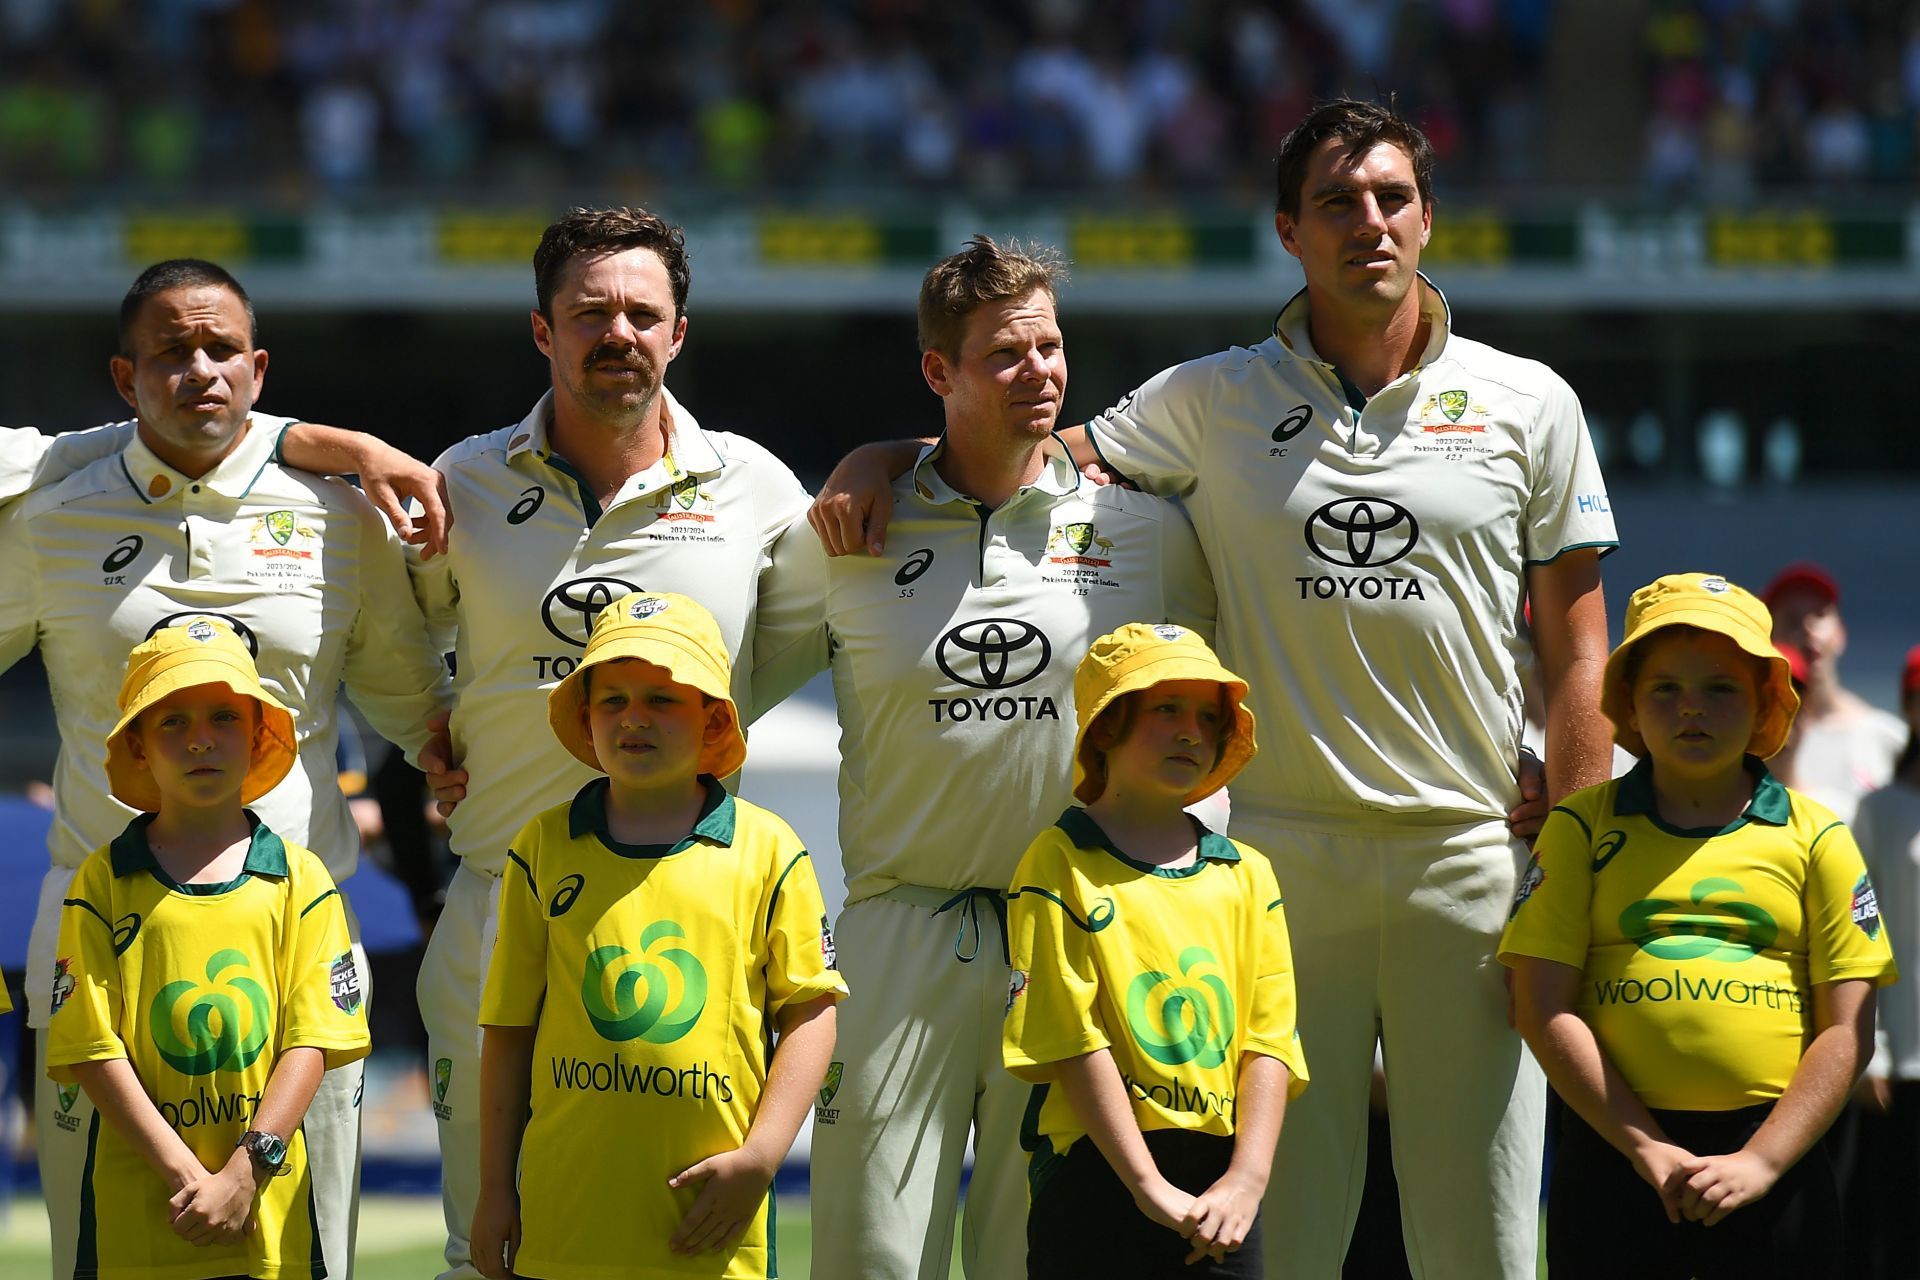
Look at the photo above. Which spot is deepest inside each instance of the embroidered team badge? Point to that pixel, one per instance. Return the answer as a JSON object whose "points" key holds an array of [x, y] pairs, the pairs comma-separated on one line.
{"points": [[646, 607], [826, 1112], [1016, 987]]}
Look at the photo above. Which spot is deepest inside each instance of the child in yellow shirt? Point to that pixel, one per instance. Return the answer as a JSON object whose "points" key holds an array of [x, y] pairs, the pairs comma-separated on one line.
{"points": [[655, 933], [1695, 950], [1152, 1001]]}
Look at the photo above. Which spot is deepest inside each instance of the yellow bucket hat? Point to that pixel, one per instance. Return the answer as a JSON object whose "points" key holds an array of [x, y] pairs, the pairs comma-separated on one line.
{"points": [[1139, 656], [203, 651], [1711, 603], [670, 631]]}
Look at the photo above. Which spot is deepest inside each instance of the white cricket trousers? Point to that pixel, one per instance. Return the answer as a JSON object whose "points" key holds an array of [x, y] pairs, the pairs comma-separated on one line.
{"points": [[1394, 935]]}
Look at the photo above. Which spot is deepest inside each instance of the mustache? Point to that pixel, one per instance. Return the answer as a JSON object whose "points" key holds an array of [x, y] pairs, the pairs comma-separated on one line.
{"points": [[627, 358]]}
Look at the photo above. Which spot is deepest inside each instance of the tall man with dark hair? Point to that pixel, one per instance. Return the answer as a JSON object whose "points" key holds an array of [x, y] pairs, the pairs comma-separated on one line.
{"points": [[188, 513], [607, 486], [1377, 497], [953, 660]]}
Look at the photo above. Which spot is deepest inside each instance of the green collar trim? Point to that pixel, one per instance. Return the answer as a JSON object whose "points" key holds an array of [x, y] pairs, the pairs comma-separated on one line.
{"points": [[587, 816], [1771, 802], [131, 851], [1087, 834]]}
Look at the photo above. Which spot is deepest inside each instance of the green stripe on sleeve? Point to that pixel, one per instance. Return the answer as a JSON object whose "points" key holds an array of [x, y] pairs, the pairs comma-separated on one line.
{"points": [[774, 900], [331, 893]]}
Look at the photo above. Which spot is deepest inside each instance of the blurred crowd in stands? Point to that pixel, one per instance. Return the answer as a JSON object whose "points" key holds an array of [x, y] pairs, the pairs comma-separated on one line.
{"points": [[990, 98]]}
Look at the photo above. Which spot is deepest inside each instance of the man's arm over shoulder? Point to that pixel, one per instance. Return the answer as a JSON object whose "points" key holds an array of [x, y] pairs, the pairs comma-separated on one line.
{"points": [[31, 460]]}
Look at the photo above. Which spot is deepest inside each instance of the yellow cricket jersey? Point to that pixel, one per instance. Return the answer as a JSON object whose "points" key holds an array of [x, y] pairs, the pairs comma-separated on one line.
{"points": [[201, 988], [653, 975], [1699, 948], [1176, 972]]}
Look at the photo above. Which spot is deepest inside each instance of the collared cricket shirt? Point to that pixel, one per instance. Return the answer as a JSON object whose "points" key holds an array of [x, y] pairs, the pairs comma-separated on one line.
{"points": [[303, 569], [1176, 971], [654, 976], [532, 559], [953, 655], [1371, 559], [1699, 949], [201, 988]]}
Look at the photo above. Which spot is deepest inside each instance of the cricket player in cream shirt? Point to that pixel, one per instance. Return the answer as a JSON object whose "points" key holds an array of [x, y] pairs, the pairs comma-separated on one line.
{"points": [[608, 486], [952, 658], [188, 515], [1377, 497]]}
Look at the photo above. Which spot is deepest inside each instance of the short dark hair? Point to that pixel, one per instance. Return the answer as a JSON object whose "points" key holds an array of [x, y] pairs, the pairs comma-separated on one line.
{"points": [[957, 285], [180, 273], [592, 232], [1361, 126]]}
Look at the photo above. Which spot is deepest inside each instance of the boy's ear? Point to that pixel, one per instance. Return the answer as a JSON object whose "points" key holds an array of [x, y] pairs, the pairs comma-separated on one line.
{"points": [[718, 721], [136, 746]]}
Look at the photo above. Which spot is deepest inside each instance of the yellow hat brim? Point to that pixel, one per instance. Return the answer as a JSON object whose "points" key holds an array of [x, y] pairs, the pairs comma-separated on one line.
{"points": [[1778, 703], [275, 747], [1159, 665]]}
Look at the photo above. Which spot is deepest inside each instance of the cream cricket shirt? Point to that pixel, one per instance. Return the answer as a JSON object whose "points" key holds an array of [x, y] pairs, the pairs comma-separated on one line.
{"points": [[302, 567], [953, 656], [1371, 563], [532, 558]]}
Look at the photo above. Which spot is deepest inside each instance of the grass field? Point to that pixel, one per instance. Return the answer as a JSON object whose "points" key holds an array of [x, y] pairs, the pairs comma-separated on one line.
{"points": [[399, 1239]]}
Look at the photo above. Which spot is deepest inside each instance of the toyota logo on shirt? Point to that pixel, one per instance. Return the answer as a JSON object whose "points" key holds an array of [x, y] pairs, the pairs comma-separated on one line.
{"points": [[571, 607], [993, 653], [1362, 533]]}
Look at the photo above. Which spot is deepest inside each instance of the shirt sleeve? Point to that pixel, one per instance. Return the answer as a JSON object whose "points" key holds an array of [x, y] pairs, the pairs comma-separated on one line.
{"points": [[30, 459], [19, 587], [1274, 1028], [1846, 938], [1051, 995], [1550, 918], [800, 960], [87, 991], [517, 979], [789, 630], [392, 670], [1186, 579], [1567, 506], [1153, 436], [436, 590], [323, 1005]]}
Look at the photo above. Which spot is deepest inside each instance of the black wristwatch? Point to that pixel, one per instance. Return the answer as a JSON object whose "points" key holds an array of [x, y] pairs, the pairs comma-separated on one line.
{"points": [[269, 1153]]}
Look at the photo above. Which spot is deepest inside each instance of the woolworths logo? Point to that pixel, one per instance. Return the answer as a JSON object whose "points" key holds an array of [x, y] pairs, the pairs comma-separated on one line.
{"points": [[222, 1029], [629, 997], [1175, 1022], [1709, 925]]}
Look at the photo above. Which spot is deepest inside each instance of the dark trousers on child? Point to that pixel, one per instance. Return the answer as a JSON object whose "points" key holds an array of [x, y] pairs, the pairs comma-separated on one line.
{"points": [[1604, 1222], [1083, 1221]]}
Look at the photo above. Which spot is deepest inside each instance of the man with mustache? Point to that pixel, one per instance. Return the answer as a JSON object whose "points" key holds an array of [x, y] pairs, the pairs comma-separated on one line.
{"points": [[608, 486]]}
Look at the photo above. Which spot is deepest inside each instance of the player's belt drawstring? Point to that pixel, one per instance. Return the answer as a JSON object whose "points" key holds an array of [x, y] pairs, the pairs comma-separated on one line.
{"points": [[968, 900]]}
